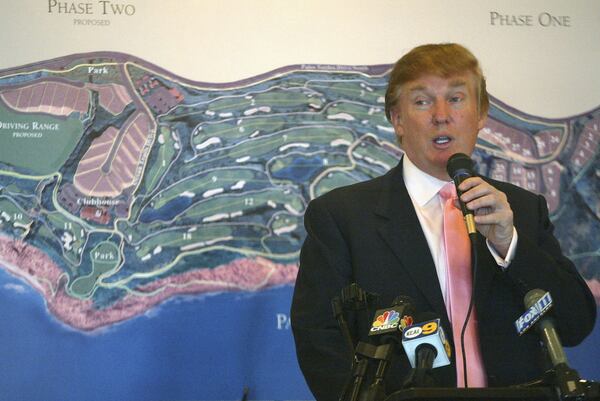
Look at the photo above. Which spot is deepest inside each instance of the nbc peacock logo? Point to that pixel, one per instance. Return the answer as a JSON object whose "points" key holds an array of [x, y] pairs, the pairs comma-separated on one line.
{"points": [[385, 321]]}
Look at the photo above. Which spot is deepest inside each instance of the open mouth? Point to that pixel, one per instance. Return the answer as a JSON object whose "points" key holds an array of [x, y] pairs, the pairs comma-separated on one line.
{"points": [[442, 140]]}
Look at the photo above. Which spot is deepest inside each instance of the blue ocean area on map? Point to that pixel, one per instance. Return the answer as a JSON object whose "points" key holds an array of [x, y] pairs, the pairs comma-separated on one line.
{"points": [[239, 331], [168, 211]]}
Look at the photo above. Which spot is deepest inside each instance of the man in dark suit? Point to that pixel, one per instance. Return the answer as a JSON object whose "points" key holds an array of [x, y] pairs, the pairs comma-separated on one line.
{"points": [[384, 235]]}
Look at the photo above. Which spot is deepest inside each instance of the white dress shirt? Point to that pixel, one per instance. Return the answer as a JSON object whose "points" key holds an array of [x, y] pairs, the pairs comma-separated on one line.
{"points": [[423, 191]]}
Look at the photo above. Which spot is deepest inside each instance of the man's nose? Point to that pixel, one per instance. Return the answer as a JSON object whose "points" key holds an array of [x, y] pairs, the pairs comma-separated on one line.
{"points": [[441, 113]]}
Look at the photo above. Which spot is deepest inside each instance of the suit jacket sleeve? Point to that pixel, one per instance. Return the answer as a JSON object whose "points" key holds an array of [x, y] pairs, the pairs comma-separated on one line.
{"points": [[540, 263], [323, 355]]}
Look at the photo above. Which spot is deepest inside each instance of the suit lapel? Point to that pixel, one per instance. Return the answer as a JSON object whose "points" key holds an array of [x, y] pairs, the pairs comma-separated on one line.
{"points": [[402, 232]]}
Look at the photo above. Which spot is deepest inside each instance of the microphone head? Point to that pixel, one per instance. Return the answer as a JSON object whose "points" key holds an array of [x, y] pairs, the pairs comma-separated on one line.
{"points": [[406, 308], [460, 166], [533, 296], [394, 318], [427, 332], [403, 299], [537, 303]]}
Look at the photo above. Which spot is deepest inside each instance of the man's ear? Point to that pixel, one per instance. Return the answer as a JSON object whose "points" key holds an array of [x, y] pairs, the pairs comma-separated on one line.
{"points": [[397, 124], [482, 121]]}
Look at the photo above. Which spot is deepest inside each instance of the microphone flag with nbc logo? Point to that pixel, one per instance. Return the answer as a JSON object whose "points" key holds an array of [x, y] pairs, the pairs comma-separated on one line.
{"points": [[397, 317]]}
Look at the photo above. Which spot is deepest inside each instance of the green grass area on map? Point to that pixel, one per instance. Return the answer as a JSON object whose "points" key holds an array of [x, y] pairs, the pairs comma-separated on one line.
{"points": [[225, 131], [210, 180], [359, 112], [286, 220], [105, 257], [94, 72], [231, 131], [308, 135], [288, 141], [41, 154], [229, 104], [165, 151], [333, 180], [11, 214], [373, 153], [234, 203], [73, 234], [182, 237], [348, 90], [329, 159], [46, 236], [286, 98]]}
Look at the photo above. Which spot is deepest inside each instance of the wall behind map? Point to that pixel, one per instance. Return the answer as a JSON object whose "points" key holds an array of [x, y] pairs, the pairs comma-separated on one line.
{"points": [[549, 58]]}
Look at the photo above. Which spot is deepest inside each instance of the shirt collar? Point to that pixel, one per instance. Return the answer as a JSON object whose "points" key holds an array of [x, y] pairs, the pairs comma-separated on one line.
{"points": [[421, 186]]}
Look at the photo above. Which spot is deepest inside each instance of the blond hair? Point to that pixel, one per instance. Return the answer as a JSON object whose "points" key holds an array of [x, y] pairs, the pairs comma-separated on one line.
{"points": [[443, 60]]}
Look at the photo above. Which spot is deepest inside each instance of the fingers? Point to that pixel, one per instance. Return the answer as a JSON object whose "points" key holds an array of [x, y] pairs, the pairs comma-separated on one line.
{"points": [[493, 214], [501, 218], [478, 194], [486, 201]]}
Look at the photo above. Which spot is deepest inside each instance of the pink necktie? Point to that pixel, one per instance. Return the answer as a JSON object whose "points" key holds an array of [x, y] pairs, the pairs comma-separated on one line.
{"points": [[459, 282]]}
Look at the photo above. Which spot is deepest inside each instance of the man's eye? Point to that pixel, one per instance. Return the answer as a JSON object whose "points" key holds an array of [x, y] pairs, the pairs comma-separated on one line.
{"points": [[456, 99], [421, 102]]}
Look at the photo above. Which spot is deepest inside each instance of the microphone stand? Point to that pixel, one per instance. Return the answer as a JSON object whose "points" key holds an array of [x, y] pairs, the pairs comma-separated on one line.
{"points": [[419, 376], [566, 383], [353, 298], [366, 352]]}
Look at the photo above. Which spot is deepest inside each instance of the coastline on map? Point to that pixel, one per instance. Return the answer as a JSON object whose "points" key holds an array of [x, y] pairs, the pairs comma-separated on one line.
{"points": [[34, 267]]}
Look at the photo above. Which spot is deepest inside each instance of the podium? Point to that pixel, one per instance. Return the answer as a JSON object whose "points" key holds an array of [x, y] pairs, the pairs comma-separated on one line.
{"points": [[474, 394], [591, 392]]}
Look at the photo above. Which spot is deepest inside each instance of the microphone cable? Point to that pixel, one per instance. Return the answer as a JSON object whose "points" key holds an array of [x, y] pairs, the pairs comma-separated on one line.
{"points": [[460, 167], [474, 265]]}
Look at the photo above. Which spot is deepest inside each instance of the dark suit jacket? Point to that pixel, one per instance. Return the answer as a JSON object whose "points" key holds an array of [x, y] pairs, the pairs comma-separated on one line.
{"points": [[369, 233]]}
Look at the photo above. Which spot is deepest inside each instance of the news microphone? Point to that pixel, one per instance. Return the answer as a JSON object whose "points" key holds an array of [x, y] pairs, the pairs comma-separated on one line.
{"points": [[385, 330], [535, 311], [426, 345], [394, 319], [459, 168], [567, 380], [538, 302]]}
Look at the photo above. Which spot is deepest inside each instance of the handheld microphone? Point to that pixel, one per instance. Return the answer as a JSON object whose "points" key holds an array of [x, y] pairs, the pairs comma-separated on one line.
{"points": [[567, 380], [459, 168]]}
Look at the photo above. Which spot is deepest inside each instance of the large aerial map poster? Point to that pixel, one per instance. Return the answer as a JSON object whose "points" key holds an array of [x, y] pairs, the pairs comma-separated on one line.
{"points": [[150, 225]]}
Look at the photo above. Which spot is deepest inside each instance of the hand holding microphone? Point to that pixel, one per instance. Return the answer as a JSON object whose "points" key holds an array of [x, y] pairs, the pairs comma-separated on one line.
{"points": [[489, 207]]}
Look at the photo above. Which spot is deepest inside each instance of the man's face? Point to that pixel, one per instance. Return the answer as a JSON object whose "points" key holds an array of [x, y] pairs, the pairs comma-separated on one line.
{"points": [[437, 117]]}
